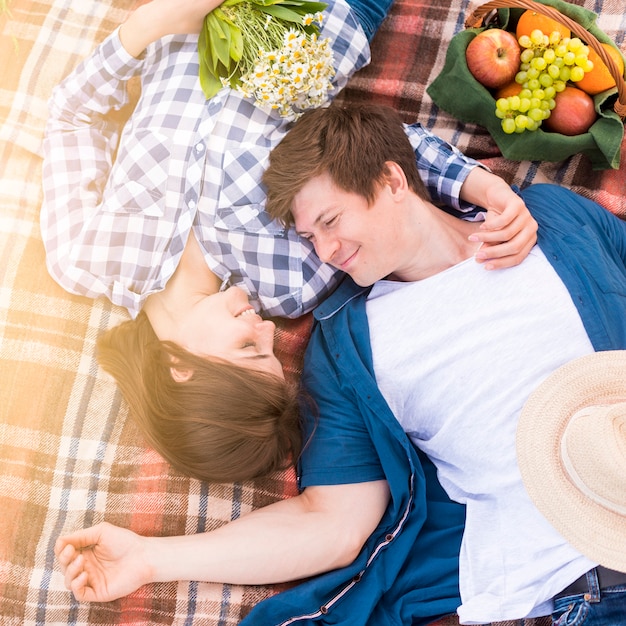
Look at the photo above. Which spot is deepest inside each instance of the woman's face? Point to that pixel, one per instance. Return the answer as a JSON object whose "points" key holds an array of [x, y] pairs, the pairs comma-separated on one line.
{"points": [[225, 325]]}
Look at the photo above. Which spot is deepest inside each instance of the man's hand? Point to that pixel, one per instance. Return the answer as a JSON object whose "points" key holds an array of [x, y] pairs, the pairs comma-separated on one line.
{"points": [[103, 563], [152, 20], [509, 230]]}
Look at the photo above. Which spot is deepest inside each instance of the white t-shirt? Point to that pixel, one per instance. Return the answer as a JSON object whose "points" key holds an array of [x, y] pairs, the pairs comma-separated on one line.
{"points": [[456, 356]]}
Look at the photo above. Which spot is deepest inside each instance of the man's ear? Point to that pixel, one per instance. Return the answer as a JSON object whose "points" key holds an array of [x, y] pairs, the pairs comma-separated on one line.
{"points": [[395, 178]]}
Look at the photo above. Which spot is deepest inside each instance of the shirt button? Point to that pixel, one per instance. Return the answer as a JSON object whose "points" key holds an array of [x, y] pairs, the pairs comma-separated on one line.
{"points": [[191, 204], [199, 147]]}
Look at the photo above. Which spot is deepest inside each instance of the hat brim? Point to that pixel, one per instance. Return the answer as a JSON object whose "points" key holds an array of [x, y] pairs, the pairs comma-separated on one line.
{"points": [[595, 379]]}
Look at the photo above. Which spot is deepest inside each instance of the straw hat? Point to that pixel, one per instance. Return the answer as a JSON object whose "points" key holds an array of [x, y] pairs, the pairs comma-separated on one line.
{"points": [[571, 448]]}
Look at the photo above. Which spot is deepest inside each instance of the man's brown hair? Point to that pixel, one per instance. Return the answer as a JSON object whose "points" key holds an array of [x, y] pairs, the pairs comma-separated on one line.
{"points": [[224, 424], [350, 143]]}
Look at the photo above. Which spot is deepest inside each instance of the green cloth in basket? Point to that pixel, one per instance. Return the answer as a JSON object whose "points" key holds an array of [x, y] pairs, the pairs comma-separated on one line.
{"points": [[456, 91]]}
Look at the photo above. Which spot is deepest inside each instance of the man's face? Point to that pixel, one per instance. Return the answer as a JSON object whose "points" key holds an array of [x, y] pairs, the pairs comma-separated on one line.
{"points": [[348, 234]]}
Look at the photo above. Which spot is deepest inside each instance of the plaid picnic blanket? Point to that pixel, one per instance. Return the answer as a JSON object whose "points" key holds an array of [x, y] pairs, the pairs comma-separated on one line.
{"points": [[69, 457]]}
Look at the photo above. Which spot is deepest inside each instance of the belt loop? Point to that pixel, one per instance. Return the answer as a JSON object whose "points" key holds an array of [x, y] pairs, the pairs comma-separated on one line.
{"points": [[593, 595]]}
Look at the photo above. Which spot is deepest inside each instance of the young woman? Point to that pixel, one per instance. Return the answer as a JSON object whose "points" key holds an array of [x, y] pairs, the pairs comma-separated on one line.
{"points": [[163, 214]]}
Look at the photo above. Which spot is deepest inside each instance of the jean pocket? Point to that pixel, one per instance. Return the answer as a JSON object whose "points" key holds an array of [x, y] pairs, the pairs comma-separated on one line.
{"points": [[574, 614]]}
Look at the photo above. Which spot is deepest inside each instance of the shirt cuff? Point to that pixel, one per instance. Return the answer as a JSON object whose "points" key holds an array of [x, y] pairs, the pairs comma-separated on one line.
{"points": [[116, 59]]}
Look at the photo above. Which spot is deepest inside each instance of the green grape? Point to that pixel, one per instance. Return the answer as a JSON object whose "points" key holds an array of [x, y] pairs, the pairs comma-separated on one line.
{"points": [[525, 42], [549, 92], [527, 55], [577, 74], [533, 84], [532, 73], [559, 85], [551, 103], [538, 63], [533, 125], [539, 94], [521, 121], [521, 77], [574, 44], [549, 55], [524, 105], [536, 37], [500, 115], [581, 60], [560, 50], [553, 71], [565, 74], [559, 62], [536, 115], [502, 104], [569, 58], [545, 80], [508, 126], [535, 103], [554, 37], [514, 102]]}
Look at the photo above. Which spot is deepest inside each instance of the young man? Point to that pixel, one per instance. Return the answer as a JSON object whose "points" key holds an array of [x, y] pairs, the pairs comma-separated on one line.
{"points": [[392, 367]]}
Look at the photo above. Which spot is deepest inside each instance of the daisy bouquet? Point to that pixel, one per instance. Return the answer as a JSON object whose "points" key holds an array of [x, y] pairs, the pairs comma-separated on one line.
{"points": [[269, 50]]}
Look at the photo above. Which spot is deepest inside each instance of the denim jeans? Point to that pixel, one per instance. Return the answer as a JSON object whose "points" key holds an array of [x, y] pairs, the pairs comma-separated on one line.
{"points": [[606, 607]]}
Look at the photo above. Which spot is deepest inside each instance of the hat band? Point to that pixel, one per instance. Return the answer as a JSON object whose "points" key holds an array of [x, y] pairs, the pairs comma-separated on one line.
{"points": [[582, 434]]}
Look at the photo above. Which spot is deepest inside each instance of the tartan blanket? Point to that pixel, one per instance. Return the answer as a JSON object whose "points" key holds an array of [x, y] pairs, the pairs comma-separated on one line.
{"points": [[69, 457]]}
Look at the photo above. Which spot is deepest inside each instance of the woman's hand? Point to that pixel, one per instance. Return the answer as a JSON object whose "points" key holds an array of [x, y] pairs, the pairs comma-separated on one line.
{"points": [[509, 230], [103, 563], [155, 19]]}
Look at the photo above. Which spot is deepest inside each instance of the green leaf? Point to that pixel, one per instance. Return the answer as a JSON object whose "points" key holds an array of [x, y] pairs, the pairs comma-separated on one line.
{"points": [[219, 44], [210, 83], [282, 13], [236, 43]]}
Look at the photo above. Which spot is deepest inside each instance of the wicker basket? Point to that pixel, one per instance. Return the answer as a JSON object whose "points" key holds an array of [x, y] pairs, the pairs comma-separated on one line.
{"points": [[601, 143], [477, 18]]}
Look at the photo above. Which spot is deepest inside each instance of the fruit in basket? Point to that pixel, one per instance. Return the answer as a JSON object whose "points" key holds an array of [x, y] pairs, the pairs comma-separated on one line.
{"points": [[510, 89], [531, 20], [600, 78], [573, 113], [493, 57]]}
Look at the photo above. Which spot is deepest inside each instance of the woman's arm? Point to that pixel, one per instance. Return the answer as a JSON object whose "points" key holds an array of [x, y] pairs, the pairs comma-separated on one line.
{"points": [[155, 19], [509, 230], [324, 528], [458, 182]]}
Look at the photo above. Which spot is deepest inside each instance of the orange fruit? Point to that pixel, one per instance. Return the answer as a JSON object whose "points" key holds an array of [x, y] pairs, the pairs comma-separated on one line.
{"points": [[531, 20], [600, 78], [510, 89]]}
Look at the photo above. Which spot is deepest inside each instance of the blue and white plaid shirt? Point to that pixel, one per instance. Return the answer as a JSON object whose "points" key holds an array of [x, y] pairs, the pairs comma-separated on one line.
{"points": [[119, 204]]}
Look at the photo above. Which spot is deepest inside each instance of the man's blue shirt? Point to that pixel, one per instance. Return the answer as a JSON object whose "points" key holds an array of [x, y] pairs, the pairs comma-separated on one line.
{"points": [[408, 571]]}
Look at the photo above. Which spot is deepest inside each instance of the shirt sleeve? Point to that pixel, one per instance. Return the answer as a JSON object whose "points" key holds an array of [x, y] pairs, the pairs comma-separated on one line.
{"points": [[81, 138], [338, 447], [443, 168]]}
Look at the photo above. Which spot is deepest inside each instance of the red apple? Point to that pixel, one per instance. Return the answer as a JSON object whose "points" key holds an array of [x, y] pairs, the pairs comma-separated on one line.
{"points": [[493, 57], [573, 113]]}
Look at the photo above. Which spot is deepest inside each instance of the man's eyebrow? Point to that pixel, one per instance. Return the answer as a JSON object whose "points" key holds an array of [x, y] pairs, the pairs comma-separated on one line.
{"points": [[318, 219]]}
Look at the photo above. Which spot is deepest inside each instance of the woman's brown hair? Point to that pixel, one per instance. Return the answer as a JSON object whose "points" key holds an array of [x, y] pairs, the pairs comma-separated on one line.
{"points": [[224, 424]]}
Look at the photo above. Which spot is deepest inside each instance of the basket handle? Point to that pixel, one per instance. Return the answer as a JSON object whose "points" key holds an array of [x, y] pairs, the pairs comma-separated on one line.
{"points": [[475, 20]]}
